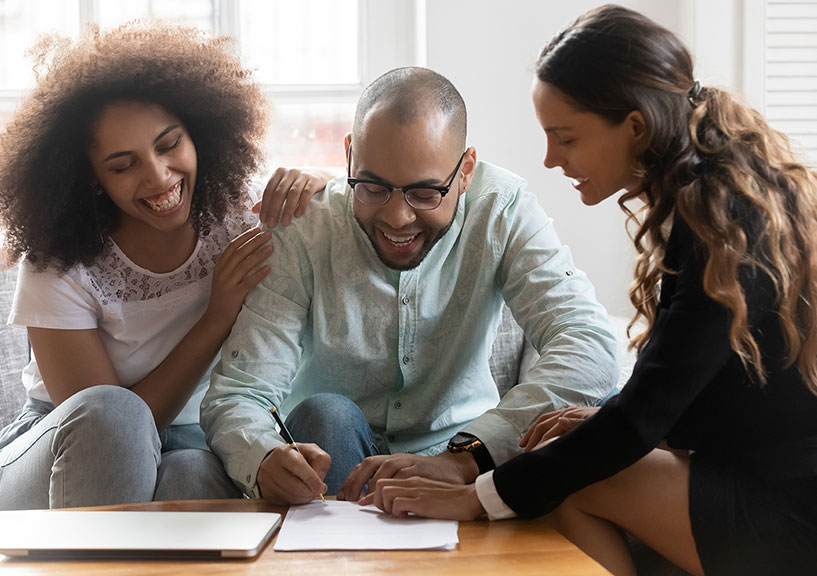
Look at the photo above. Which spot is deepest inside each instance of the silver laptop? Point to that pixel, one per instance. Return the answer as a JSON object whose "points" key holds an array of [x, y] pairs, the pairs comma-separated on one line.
{"points": [[149, 534]]}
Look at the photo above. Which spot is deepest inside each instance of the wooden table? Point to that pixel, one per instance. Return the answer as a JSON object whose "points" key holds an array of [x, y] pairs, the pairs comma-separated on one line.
{"points": [[489, 548]]}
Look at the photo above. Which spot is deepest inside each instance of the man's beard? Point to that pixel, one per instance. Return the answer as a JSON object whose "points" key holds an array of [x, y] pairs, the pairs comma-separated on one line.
{"points": [[427, 246]]}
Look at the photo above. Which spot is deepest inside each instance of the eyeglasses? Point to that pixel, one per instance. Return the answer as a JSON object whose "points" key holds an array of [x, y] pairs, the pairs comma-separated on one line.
{"points": [[418, 196]]}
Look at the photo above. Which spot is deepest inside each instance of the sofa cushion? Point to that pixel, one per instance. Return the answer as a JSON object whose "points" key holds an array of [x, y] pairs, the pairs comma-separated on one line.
{"points": [[13, 353]]}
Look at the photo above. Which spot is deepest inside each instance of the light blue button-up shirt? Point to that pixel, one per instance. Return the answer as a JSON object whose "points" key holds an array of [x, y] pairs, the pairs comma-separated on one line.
{"points": [[410, 348]]}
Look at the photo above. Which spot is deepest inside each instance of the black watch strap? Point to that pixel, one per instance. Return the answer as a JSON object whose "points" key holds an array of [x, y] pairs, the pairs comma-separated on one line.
{"points": [[463, 442], [483, 458]]}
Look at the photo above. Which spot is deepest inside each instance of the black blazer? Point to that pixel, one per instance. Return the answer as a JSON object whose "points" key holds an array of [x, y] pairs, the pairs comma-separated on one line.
{"points": [[689, 388]]}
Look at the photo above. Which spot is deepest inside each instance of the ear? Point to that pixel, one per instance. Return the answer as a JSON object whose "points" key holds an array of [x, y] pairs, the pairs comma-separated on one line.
{"points": [[347, 141], [637, 130], [469, 164], [95, 186], [637, 127]]}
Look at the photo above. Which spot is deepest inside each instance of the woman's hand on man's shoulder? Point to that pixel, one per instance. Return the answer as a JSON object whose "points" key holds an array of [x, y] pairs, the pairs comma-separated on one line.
{"points": [[288, 194]]}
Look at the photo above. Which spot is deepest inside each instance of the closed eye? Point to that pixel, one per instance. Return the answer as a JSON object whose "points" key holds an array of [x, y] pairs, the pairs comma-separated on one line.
{"points": [[172, 147], [120, 170]]}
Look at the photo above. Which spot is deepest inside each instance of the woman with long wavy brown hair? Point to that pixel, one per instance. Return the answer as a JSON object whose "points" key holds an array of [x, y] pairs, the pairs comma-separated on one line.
{"points": [[709, 453]]}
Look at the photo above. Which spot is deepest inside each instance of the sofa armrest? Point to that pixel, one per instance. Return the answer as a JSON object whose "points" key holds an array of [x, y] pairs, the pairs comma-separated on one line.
{"points": [[14, 353], [513, 355], [506, 356]]}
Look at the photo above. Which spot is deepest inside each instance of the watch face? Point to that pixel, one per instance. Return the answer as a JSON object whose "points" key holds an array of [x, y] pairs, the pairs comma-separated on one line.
{"points": [[461, 440], [474, 446]]}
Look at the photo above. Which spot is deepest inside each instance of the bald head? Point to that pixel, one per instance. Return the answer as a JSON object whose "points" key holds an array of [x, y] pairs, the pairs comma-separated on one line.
{"points": [[413, 94]]}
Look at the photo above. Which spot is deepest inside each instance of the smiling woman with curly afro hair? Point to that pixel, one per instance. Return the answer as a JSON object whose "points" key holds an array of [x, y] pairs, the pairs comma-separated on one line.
{"points": [[48, 206], [125, 192]]}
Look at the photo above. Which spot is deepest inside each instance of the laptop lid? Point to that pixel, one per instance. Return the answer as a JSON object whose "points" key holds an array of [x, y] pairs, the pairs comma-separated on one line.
{"points": [[134, 534]]}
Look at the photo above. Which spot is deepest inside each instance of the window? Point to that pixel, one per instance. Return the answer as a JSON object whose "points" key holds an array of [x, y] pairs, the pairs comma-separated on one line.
{"points": [[21, 21], [312, 57], [109, 13]]}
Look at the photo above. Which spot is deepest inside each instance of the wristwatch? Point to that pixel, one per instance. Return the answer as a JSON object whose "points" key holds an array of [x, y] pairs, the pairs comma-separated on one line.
{"points": [[464, 442]]}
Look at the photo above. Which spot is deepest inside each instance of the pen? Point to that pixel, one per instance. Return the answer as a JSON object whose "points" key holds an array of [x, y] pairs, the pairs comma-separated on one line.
{"points": [[287, 436]]}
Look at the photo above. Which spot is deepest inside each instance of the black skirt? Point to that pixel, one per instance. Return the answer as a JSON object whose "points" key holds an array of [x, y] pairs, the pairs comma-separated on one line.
{"points": [[746, 525]]}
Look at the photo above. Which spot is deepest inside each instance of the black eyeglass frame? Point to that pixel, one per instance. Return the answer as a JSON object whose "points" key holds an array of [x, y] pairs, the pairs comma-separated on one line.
{"points": [[443, 190]]}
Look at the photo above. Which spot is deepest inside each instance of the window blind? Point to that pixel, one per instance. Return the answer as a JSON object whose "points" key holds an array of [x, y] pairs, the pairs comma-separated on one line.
{"points": [[791, 72]]}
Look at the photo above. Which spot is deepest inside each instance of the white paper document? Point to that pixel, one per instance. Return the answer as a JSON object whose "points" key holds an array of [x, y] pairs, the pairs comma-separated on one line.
{"points": [[337, 525]]}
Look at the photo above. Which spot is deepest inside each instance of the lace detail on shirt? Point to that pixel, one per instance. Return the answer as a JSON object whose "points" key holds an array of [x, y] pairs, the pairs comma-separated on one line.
{"points": [[115, 279]]}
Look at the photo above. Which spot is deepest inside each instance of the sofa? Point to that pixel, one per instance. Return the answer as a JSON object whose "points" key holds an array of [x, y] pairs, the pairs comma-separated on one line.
{"points": [[512, 355]]}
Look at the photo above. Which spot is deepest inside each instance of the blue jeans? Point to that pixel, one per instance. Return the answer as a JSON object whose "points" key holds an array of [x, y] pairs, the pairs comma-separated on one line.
{"points": [[337, 425], [101, 447]]}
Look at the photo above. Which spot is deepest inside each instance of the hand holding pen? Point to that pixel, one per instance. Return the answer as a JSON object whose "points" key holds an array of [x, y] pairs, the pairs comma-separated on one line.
{"points": [[287, 436], [292, 474]]}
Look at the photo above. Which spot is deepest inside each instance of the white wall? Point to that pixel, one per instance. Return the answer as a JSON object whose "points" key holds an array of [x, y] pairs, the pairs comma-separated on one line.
{"points": [[487, 48]]}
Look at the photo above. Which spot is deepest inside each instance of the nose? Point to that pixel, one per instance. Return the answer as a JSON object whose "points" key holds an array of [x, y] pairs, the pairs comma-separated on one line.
{"points": [[396, 212], [156, 172], [553, 156], [552, 159]]}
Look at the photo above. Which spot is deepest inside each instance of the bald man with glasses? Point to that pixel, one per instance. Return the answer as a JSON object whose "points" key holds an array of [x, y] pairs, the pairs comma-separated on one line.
{"points": [[372, 333]]}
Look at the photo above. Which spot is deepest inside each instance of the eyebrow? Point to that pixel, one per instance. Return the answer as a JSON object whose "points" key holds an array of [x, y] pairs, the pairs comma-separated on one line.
{"points": [[161, 135], [557, 128], [367, 175]]}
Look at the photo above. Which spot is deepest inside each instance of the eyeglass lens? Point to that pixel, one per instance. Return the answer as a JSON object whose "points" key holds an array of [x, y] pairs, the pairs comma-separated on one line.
{"points": [[422, 198]]}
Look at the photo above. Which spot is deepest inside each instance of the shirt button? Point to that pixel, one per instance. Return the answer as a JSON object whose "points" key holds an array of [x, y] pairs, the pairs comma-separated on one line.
{"points": [[398, 404], [390, 437], [234, 354], [406, 359], [406, 300]]}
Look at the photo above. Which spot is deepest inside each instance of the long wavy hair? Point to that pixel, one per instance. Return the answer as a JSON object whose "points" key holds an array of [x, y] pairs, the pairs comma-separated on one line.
{"points": [[49, 211], [708, 158]]}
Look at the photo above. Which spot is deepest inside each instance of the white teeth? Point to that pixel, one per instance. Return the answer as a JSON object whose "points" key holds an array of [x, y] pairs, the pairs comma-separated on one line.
{"points": [[166, 200], [578, 181], [400, 241]]}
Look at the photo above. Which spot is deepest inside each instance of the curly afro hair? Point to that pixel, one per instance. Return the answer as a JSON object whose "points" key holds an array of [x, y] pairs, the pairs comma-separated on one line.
{"points": [[48, 208]]}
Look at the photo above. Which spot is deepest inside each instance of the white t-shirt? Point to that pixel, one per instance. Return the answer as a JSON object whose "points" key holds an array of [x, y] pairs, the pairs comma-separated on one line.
{"points": [[140, 315]]}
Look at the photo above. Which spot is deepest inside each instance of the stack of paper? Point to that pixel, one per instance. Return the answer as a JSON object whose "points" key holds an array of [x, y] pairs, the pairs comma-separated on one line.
{"points": [[336, 525]]}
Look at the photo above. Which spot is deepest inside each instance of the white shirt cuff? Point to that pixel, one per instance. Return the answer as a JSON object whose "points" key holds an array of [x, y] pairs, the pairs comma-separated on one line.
{"points": [[490, 500]]}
